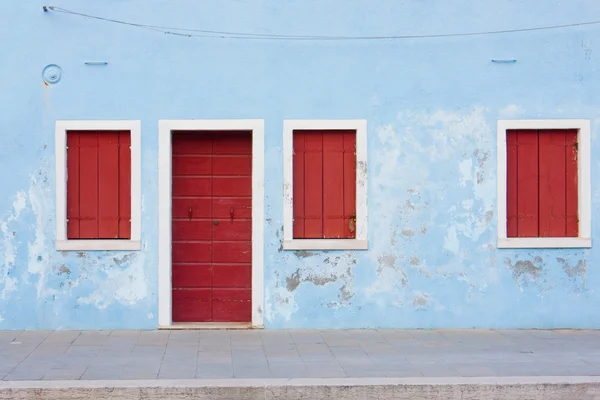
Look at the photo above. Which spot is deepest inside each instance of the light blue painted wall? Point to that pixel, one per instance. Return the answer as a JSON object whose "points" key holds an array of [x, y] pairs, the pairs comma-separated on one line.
{"points": [[431, 106]]}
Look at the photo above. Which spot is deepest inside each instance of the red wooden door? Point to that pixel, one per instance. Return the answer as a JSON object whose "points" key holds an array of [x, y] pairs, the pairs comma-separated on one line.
{"points": [[212, 227]]}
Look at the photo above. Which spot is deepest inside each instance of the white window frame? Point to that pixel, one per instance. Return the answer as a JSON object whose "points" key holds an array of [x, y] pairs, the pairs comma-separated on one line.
{"points": [[361, 240], [584, 184], [62, 243]]}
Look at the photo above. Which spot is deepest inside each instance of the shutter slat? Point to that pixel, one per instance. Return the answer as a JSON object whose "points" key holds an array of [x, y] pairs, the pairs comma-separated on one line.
{"points": [[349, 184], [552, 208], [108, 185], [571, 184], [313, 185], [298, 185], [88, 185], [333, 185], [527, 184], [125, 185], [511, 183], [73, 185]]}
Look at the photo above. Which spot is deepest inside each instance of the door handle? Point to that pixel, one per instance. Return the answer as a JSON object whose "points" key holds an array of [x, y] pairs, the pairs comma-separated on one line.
{"points": [[190, 213], [231, 213]]}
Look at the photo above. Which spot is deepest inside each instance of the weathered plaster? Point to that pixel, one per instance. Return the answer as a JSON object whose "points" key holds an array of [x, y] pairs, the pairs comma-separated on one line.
{"points": [[431, 107], [61, 282]]}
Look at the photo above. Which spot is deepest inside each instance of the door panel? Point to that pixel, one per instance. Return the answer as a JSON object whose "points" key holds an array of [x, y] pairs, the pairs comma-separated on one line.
{"points": [[212, 227]]}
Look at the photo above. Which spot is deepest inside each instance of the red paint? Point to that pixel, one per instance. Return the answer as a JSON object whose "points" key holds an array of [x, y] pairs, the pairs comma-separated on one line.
{"points": [[98, 185], [527, 184], [349, 184], [298, 186], [73, 185], [313, 184], [552, 184], [212, 227], [108, 186], [324, 171], [511, 182], [571, 184], [88, 186], [125, 185], [333, 185], [542, 192]]}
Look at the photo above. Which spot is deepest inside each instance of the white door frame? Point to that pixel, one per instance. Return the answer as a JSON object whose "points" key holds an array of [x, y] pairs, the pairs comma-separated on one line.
{"points": [[165, 129]]}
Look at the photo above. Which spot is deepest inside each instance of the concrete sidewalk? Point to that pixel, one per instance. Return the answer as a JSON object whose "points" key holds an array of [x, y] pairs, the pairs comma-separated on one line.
{"points": [[149, 355]]}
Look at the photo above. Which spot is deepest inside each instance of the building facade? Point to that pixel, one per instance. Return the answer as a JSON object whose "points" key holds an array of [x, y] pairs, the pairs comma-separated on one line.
{"points": [[299, 164]]}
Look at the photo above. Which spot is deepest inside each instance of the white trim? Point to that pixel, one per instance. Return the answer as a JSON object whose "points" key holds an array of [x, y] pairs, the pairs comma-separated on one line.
{"points": [[165, 128], [84, 245], [326, 244], [361, 241], [544, 243], [60, 137], [584, 180]]}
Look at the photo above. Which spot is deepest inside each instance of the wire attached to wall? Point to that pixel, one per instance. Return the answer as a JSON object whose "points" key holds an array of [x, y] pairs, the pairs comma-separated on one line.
{"points": [[264, 36]]}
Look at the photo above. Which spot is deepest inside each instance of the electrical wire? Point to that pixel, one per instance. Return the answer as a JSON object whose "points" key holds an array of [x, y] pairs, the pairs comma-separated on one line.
{"points": [[264, 36]]}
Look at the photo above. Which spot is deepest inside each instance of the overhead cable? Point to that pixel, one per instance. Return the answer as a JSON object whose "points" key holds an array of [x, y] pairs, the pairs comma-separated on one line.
{"points": [[190, 32]]}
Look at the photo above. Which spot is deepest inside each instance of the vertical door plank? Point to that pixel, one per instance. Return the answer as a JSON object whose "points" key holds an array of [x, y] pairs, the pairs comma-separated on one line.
{"points": [[108, 185], [571, 184], [349, 184], [527, 184], [333, 185], [511, 184], [298, 184], [73, 185], [88, 185], [313, 185], [552, 200], [125, 185]]}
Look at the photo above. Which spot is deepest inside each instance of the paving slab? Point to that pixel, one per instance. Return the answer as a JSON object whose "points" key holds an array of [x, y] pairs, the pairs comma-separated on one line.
{"points": [[137, 355]]}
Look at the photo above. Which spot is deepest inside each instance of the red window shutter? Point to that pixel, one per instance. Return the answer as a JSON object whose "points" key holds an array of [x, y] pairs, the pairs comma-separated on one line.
{"points": [[324, 170], [73, 185], [88, 185], [333, 185], [350, 184], [527, 184], [558, 183], [512, 218], [542, 186], [125, 185], [108, 185], [98, 185], [571, 184], [313, 185], [298, 185]]}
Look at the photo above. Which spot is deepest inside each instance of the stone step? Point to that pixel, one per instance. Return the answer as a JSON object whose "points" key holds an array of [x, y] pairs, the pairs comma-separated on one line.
{"points": [[492, 388]]}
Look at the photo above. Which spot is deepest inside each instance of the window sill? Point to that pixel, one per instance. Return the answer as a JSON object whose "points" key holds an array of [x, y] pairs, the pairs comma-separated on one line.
{"points": [[326, 244], [98, 245], [544, 243]]}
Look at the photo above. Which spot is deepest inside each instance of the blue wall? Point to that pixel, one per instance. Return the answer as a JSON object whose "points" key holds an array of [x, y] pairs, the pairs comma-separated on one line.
{"points": [[431, 106]]}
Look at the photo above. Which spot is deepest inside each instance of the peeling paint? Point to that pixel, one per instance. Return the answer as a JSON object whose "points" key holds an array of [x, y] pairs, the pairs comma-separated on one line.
{"points": [[408, 233], [578, 273], [420, 300], [303, 253], [61, 279], [415, 261], [525, 270], [63, 269], [387, 260], [293, 281]]}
